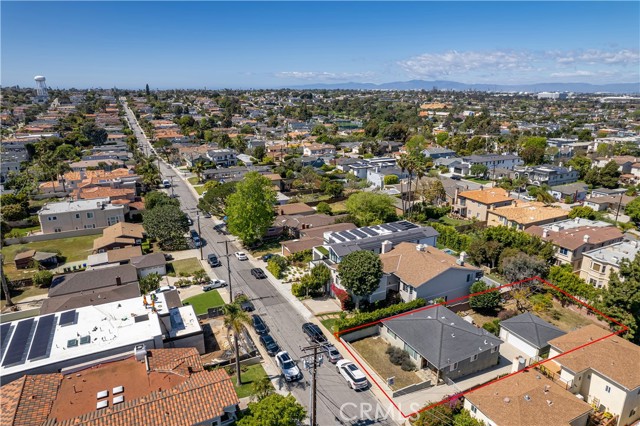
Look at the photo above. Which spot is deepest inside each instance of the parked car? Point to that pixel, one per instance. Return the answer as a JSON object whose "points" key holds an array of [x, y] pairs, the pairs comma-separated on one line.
{"points": [[214, 284], [258, 273], [313, 332], [213, 260], [220, 229], [168, 256], [247, 306], [189, 221], [166, 183], [352, 374], [269, 344], [165, 288], [332, 354], [267, 256], [289, 369], [241, 255], [195, 237], [259, 325], [455, 177]]}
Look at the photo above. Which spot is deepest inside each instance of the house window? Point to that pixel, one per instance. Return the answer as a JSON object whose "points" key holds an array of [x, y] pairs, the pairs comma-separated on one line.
{"points": [[57, 230], [632, 413], [592, 281], [52, 218], [474, 357], [474, 409], [77, 215], [494, 349], [454, 366], [596, 267], [89, 215], [412, 353], [563, 251], [469, 277], [607, 389]]}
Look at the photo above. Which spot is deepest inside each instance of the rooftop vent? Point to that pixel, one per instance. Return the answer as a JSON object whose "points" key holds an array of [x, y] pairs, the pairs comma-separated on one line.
{"points": [[527, 398]]}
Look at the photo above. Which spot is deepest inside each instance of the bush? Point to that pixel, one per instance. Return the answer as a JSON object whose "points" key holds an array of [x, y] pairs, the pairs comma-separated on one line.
{"points": [[42, 279], [407, 365], [303, 256], [391, 180], [366, 317], [277, 265], [493, 327], [298, 290], [324, 208], [506, 314]]}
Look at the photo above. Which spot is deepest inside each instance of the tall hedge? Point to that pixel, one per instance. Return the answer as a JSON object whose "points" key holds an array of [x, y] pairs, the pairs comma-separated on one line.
{"points": [[366, 317]]}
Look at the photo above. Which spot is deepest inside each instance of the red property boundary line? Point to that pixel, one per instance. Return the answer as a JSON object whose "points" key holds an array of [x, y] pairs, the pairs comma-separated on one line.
{"points": [[454, 397]]}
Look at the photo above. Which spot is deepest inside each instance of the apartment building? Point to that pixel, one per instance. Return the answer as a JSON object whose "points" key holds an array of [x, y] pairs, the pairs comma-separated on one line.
{"points": [[476, 204], [547, 174], [82, 214], [222, 157], [598, 264], [491, 161]]}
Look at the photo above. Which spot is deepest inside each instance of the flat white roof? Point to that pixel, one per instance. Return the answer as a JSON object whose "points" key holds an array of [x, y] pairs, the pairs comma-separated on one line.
{"points": [[81, 205], [614, 253], [77, 333]]}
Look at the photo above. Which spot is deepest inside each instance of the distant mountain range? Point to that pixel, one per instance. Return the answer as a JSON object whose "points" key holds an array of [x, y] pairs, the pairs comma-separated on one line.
{"points": [[454, 85]]}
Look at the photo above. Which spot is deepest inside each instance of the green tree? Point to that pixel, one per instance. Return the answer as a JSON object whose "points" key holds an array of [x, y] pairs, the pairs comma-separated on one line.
{"points": [[360, 272], [609, 175], [432, 191], [564, 278], [200, 276], [440, 415], [274, 410], [157, 198], [235, 319], [146, 90], [42, 278], [324, 208], [259, 152], [391, 180], [582, 212], [580, 163], [416, 144], [369, 208], [13, 212], [633, 210], [489, 301], [198, 168], [479, 170], [333, 189], [167, 224], [250, 209], [521, 266], [149, 283], [262, 388], [621, 300], [396, 132], [215, 200], [463, 418]]}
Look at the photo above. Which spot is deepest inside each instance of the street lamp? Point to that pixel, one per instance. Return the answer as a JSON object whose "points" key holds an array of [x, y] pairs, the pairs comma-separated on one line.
{"points": [[226, 249]]}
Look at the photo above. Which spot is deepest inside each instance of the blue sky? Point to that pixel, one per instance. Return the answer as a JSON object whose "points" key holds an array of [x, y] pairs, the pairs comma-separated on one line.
{"points": [[265, 44]]}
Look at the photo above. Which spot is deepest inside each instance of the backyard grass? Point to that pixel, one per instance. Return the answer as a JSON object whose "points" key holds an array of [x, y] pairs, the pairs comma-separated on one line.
{"points": [[372, 349], [22, 293], [454, 222], [338, 207], [253, 374], [185, 267], [22, 232], [567, 319], [73, 249], [204, 301]]}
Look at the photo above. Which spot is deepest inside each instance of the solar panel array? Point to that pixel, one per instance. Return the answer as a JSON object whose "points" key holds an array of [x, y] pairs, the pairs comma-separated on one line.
{"points": [[5, 333], [19, 343], [42, 337], [68, 317]]}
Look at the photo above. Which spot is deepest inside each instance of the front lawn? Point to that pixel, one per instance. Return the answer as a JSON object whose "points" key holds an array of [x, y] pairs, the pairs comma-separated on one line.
{"points": [[193, 180], [329, 323], [22, 232], [478, 180], [199, 189], [271, 246], [373, 351], [338, 207], [73, 249], [253, 374], [185, 267], [202, 302]]}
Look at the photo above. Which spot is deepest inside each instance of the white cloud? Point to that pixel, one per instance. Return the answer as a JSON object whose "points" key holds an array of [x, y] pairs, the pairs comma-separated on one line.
{"points": [[323, 75], [577, 73], [454, 62], [596, 57]]}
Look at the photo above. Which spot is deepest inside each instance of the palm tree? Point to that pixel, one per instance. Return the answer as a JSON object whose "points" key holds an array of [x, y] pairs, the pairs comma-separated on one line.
{"points": [[402, 163], [198, 168], [262, 388], [420, 169], [235, 319], [60, 169]]}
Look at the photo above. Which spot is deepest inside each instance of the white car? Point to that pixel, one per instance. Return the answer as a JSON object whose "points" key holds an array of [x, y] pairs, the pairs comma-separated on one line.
{"points": [[214, 284], [289, 369], [165, 288], [352, 374], [241, 255]]}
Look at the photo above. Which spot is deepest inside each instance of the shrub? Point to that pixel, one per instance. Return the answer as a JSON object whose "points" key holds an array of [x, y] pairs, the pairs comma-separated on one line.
{"points": [[298, 290], [407, 365], [277, 265], [323, 207], [303, 256], [366, 317], [493, 327], [506, 314], [42, 279]]}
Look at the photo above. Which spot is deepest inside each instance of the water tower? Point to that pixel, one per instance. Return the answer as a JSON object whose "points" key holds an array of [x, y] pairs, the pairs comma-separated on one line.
{"points": [[41, 87]]}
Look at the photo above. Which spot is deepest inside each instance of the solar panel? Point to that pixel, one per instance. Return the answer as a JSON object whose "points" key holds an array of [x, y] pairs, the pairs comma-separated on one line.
{"points": [[388, 227], [369, 231], [336, 236], [42, 337], [68, 317], [359, 233], [347, 235], [5, 333], [19, 342]]}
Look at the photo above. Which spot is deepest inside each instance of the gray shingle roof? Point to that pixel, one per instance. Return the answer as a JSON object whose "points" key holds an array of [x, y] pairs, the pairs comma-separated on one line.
{"points": [[91, 280], [441, 336], [148, 260], [532, 329]]}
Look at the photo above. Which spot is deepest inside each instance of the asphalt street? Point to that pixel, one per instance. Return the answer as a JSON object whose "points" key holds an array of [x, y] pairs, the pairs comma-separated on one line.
{"points": [[337, 403]]}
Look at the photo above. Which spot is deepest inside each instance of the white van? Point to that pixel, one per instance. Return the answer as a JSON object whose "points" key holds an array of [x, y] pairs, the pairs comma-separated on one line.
{"points": [[166, 183]]}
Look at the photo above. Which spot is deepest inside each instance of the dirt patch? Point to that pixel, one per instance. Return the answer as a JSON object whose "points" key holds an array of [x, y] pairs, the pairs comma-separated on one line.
{"points": [[373, 351]]}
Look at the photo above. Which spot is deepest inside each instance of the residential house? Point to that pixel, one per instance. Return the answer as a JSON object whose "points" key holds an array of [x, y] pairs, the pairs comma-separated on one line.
{"points": [[547, 174], [316, 149], [598, 264], [526, 399], [521, 215], [614, 203], [84, 214], [118, 236], [435, 152], [607, 192], [624, 162], [529, 334], [110, 258], [490, 161], [477, 203], [344, 163], [422, 271], [376, 175], [154, 263], [573, 237], [336, 245], [92, 192], [439, 340], [27, 259], [107, 165], [600, 368], [277, 151], [222, 157], [310, 237], [574, 192], [635, 171], [291, 225]]}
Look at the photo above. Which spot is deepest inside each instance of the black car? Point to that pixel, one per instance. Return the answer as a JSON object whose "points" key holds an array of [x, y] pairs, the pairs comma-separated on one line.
{"points": [[269, 344], [247, 306], [313, 332], [258, 324], [213, 260], [267, 256], [168, 256], [220, 229], [258, 273], [189, 221]]}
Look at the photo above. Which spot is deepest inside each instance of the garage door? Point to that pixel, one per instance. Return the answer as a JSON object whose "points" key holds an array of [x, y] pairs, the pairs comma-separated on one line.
{"points": [[518, 343]]}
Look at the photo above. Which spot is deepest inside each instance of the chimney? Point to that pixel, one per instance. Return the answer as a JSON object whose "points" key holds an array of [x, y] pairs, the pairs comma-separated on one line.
{"points": [[118, 280], [545, 233], [585, 238], [420, 247], [281, 212], [386, 246], [463, 258]]}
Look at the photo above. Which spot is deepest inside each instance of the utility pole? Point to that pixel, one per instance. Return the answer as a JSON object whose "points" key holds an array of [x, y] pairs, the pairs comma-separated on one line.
{"points": [[311, 363], [618, 209], [226, 249], [199, 234]]}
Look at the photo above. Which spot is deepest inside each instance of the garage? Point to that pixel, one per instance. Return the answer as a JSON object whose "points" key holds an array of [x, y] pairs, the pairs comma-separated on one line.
{"points": [[529, 334]]}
